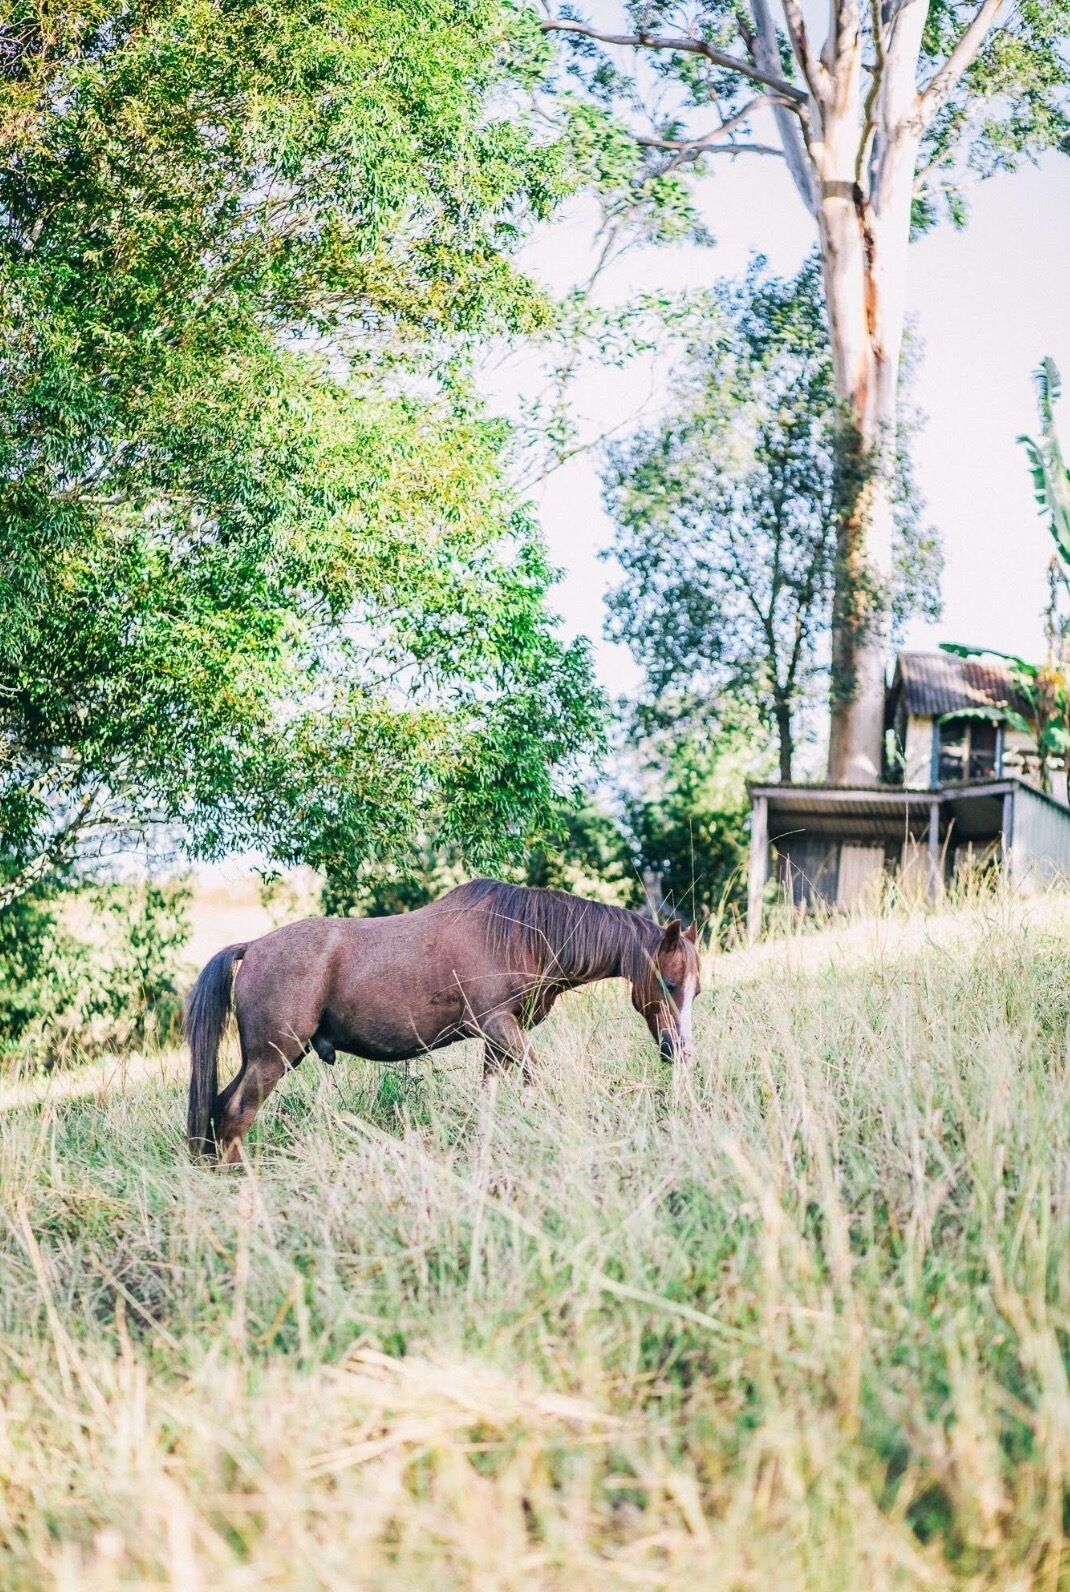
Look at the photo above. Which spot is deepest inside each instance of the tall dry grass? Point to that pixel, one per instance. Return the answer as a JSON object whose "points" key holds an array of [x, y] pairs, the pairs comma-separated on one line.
{"points": [[797, 1319]]}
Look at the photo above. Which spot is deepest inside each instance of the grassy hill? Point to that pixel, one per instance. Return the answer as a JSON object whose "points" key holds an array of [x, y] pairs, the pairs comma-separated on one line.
{"points": [[798, 1318]]}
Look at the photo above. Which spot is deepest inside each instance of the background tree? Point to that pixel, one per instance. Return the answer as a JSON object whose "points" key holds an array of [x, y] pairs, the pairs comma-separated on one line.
{"points": [[881, 127], [589, 852], [727, 511], [685, 809], [261, 577]]}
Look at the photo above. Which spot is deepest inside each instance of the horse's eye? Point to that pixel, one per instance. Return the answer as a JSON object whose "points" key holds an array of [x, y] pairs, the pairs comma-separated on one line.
{"points": [[670, 987]]}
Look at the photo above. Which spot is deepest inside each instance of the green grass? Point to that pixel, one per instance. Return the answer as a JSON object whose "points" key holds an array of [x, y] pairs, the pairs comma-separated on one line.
{"points": [[798, 1319]]}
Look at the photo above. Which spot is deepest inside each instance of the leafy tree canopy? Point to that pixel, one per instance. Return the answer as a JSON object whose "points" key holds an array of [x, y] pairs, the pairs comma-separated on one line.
{"points": [[261, 575]]}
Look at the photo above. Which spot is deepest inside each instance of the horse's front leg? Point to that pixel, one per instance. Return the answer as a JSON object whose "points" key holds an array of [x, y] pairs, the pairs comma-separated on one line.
{"points": [[506, 1042]]}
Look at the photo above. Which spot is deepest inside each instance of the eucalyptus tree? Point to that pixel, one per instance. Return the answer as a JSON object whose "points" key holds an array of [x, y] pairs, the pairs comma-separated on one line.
{"points": [[881, 124], [260, 577]]}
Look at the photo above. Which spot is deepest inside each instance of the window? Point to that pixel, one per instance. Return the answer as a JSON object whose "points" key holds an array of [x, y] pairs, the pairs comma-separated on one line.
{"points": [[967, 749]]}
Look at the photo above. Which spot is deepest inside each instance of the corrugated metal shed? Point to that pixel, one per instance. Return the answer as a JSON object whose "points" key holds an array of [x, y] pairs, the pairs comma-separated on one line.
{"points": [[815, 832], [929, 684], [1039, 842]]}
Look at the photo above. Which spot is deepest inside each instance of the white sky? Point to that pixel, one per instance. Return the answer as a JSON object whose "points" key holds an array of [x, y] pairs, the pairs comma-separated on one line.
{"points": [[987, 303]]}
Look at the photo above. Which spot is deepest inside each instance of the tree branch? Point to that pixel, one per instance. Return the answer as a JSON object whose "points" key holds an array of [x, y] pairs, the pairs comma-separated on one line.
{"points": [[58, 849], [712, 142], [707, 139], [652, 41], [962, 57], [814, 71], [686, 148], [869, 119], [763, 46]]}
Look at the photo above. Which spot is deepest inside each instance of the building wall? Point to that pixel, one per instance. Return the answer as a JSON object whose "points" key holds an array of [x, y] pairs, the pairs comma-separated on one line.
{"points": [[1016, 746], [1040, 840], [861, 872], [918, 754], [1018, 757]]}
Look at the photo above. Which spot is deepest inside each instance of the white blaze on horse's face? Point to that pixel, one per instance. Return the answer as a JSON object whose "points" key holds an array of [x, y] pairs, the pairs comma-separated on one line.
{"points": [[669, 1015]]}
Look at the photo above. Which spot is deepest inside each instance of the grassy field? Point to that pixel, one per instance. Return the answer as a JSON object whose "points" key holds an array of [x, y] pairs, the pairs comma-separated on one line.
{"points": [[798, 1319]]}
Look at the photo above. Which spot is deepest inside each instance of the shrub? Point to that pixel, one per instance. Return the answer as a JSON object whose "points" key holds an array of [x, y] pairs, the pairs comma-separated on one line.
{"points": [[91, 968]]}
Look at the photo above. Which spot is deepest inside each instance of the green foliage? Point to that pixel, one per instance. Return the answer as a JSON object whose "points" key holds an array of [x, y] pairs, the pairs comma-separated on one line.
{"points": [[727, 510], [145, 929], [643, 200], [379, 890], [1010, 106], [588, 852], [670, 834], [690, 814], [583, 849], [1051, 476], [261, 574], [86, 969], [40, 967]]}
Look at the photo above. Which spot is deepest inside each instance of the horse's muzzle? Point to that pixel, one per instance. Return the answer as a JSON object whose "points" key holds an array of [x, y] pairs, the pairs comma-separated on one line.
{"points": [[671, 1049]]}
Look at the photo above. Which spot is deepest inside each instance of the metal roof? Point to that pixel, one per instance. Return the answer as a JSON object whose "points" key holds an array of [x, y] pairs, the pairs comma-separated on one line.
{"points": [[869, 801], [800, 796], [929, 684]]}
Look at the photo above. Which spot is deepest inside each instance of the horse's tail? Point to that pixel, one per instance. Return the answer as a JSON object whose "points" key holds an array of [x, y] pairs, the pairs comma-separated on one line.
{"points": [[206, 1014]]}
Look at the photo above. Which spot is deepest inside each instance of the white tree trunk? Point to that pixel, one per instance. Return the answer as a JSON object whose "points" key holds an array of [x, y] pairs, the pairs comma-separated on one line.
{"points": [[866, 331], [865, 159]]}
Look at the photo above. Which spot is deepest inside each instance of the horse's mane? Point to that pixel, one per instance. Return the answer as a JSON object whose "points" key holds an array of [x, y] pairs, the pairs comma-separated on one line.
{"points": [[562, 933]]}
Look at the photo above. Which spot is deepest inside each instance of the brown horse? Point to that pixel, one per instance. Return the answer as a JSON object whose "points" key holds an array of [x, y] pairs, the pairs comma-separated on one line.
{"points": [[485, 961]]}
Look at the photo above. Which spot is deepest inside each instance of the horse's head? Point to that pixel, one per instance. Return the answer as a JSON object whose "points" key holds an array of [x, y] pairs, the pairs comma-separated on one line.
{"points": [[665, 992]]}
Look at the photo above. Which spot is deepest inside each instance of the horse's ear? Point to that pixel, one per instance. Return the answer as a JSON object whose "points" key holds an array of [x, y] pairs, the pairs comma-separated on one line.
{"points": [[691, 933], [671, 934]]}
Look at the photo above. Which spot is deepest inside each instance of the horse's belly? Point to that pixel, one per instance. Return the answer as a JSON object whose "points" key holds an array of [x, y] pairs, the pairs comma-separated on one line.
{"points": [[393, 1036]]}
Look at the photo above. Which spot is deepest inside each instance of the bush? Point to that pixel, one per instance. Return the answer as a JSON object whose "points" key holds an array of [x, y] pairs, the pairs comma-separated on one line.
{"points": [[42, 966], [91, 968], [690, 817]]}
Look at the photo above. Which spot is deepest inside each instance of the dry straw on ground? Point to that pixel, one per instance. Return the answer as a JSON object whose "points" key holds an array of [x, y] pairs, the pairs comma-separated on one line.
{"points": [[798, 1319]]}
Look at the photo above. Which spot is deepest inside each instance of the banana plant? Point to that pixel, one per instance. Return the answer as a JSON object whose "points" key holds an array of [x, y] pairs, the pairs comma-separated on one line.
{"points": [[1051, 478], [1043, 692]]}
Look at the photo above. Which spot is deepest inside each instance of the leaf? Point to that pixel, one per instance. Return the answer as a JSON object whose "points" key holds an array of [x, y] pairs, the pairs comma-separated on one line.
{"points": [[1000, 714], [264, 579], [1051, 479], [959, 650]]}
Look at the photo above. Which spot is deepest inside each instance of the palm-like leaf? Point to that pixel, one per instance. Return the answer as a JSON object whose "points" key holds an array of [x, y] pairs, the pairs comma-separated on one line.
{"points": [[1019, 666], [1002, 714], [1051, 479]]}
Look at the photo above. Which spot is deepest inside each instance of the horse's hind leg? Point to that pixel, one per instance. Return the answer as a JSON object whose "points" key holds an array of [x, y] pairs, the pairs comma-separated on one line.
{"points": [[271, 1046], [243, 1097], [506, 1042]]}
